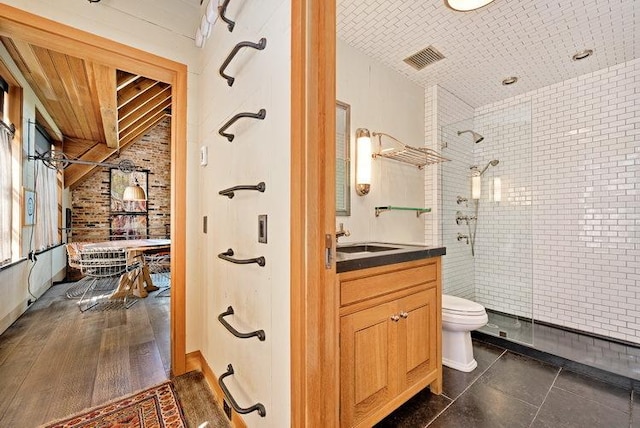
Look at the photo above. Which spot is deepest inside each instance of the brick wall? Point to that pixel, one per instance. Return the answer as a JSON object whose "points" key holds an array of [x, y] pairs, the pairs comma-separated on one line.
{"points": [[90, 199]]}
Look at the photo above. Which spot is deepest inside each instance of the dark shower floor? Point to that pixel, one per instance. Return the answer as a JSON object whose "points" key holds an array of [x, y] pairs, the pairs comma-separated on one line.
{"points": [[609, 356]]}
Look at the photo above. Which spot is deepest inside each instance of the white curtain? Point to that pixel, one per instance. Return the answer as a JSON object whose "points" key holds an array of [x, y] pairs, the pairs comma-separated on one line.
{"points": [[5, 195], [46, 228]]}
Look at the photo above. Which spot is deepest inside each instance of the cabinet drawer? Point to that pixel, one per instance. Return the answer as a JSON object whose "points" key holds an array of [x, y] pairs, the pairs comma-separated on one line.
{"points": [[364, 284]]}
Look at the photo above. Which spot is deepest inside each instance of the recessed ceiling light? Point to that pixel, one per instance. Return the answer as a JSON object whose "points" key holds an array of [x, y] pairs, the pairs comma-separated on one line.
{"points": [[466, 5], [510, 80], [582, 54]]}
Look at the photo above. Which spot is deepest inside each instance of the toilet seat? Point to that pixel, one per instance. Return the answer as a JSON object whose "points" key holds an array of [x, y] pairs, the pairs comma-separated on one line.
{"points": [[458, 306]]}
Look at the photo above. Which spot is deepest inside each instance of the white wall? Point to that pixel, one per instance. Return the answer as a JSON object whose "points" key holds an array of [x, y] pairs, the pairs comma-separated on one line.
{"points": [[384, 101], [260, 296], [164, 28], [585, 183]]}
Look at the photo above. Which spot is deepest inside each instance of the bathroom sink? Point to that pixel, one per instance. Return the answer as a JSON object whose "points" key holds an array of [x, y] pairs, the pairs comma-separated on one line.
{"points": [[364, 248]]}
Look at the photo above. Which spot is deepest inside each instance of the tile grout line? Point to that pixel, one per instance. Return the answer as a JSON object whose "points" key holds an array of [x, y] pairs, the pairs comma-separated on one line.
{"points": [[545, 397], [465, 390]]}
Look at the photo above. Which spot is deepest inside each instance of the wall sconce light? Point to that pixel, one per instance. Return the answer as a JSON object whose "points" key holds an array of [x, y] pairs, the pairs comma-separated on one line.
{"points": [[476, 185], [363, 161], [134, 193], [497, 189]]}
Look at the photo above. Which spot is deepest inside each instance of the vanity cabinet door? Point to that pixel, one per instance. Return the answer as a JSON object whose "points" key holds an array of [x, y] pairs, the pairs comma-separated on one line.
{"points": [[417, 341], [368, 362]]}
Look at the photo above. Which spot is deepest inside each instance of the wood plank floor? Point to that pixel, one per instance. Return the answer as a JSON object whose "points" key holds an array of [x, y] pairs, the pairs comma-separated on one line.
{"points": [[56, 361]]}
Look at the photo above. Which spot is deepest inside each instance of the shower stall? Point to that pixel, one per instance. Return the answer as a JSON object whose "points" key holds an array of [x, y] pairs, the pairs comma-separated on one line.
{"points": [[486, 212]]}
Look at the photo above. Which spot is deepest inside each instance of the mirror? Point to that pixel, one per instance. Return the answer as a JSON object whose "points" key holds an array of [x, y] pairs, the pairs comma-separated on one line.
{"points": [[343, 159]]}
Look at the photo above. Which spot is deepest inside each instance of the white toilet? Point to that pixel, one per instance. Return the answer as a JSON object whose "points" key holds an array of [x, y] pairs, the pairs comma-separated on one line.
{"points": [[459, 317]]}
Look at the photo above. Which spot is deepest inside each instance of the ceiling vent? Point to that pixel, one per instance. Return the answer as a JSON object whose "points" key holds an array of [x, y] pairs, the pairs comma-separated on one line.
{"points": [[425, 57]]}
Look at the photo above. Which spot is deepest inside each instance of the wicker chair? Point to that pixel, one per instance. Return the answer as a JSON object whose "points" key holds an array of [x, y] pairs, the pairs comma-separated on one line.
{"points": [[108, 268]]}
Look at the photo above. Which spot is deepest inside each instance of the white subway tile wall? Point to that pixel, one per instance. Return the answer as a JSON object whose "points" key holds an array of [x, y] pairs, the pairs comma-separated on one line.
{"points": [[453, 115], [573, 178], [503, 260]]}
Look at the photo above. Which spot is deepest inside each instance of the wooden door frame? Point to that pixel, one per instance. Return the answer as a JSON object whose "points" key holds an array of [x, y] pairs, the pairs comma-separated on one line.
{"points": [[53, 35], [314, 303]]}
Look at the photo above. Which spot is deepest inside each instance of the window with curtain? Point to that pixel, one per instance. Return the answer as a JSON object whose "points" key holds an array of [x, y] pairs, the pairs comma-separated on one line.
{"points": [[46, 186], [6, 185], [5, 196]]}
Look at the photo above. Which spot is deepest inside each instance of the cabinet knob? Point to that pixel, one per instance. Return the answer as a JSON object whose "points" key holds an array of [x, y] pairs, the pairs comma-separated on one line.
{"points": [[404, 314], [395, 318]]}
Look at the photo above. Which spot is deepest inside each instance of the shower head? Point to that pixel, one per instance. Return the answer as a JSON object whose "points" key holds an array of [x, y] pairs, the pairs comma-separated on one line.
{"points": [[491, 163], [476, 137]]}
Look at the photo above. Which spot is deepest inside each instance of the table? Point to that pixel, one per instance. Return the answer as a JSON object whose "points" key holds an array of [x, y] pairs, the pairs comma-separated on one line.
{"points": [[135, 248]]}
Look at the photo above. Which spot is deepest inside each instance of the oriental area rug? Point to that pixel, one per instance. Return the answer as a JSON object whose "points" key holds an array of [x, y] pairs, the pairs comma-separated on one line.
{"points": [[155, 407]]}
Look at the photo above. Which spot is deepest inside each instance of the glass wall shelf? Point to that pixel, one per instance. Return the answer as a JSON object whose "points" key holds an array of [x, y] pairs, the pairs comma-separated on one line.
{"points": [[419, 211]]}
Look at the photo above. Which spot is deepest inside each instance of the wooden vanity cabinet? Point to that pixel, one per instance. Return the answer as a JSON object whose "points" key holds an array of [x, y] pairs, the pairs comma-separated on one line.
{"points": [[390, 338]]}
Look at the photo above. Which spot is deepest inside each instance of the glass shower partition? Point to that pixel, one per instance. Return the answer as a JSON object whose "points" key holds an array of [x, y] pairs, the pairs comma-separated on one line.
{"points": [[486, 205]]}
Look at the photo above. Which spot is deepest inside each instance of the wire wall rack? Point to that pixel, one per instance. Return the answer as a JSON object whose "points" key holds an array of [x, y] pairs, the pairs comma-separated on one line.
{"points": [[396, 150]]}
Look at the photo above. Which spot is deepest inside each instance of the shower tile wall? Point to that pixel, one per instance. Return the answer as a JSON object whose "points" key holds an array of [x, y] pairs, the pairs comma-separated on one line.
{"points": [[503, 260], [458, 269], [585, 191]]}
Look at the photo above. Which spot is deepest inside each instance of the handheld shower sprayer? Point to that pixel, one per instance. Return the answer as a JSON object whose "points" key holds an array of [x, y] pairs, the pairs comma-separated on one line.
{"points": [[476, 137]]}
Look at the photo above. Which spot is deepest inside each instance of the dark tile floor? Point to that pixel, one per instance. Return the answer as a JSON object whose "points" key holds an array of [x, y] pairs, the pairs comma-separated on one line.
{"points": [[617, 358], [511, 390]]}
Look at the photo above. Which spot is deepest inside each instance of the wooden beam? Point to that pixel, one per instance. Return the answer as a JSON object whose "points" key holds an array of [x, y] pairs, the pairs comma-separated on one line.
{"points": [[158, 91], [18, 24], [105, 84], [133, 90], [141, 127], [123, 78], [148, 108]]}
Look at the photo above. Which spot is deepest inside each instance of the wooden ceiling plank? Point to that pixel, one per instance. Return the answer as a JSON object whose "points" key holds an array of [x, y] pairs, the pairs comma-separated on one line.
{"points": [[147, 107], [75, 149], [31, 62], [131, 91], [88, 97], [148, 96], [54, 109], [72, 93], [69, 121], [105, 80], [144, 120]]}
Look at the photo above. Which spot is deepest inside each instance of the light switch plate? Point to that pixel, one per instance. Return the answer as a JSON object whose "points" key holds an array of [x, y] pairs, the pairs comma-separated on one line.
{"points": [[204, 156], [262, 228]]}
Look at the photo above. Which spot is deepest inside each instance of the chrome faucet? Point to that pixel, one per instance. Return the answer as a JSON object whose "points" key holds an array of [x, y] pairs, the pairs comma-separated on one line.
{"points": [[342, 232]]}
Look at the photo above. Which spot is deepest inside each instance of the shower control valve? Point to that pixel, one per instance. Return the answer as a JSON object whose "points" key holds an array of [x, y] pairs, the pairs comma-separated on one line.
{"points": [[462, 237], [461, 200], [461, 217]]}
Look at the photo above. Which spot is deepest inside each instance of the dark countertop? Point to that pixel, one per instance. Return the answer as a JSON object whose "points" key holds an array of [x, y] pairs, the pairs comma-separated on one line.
{"points": [[402, 253]]}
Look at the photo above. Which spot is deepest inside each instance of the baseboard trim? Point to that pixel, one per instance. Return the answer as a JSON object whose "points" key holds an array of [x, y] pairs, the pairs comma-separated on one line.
{"points": [[196, 361]]}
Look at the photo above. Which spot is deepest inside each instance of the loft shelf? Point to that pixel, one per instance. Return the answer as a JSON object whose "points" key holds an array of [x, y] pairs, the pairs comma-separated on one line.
{"points": [[419, 211], [398, 151]]}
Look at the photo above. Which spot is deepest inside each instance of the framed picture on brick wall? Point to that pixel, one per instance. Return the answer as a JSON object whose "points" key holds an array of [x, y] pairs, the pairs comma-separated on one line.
{"points": [[118, 182]]}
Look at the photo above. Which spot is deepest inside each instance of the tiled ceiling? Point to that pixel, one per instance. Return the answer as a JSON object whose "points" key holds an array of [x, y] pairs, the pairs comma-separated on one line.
{"points": [[531, 39]]}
